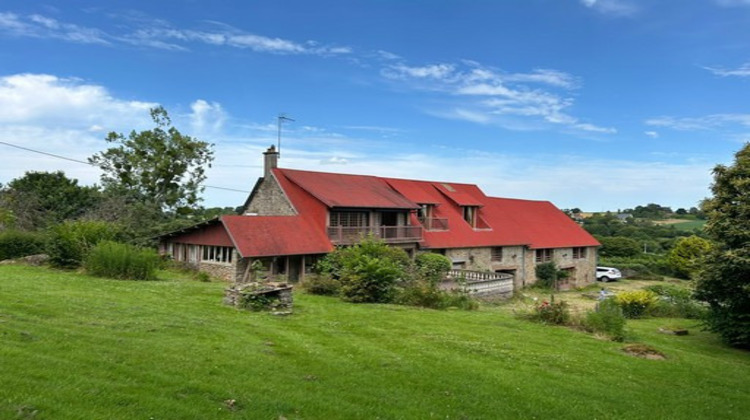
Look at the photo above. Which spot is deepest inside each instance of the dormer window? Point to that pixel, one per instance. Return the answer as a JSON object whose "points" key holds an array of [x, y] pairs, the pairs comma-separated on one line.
{"points": [[470, 215], [426, 211]]}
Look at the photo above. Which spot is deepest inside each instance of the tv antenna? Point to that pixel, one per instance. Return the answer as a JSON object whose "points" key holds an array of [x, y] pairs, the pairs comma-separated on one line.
{"points": [[282, 118]]}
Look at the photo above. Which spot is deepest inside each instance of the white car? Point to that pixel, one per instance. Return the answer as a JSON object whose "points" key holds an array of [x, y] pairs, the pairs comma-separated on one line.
{"points": [[605, 274]]}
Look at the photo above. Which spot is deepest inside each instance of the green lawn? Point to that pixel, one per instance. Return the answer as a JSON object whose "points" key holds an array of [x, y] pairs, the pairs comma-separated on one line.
{"points": [[78, 347], [690, 225]]}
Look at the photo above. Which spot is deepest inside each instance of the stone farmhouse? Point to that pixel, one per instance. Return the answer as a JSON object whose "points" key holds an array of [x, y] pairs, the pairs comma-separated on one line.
{"points": [[292, 218]]}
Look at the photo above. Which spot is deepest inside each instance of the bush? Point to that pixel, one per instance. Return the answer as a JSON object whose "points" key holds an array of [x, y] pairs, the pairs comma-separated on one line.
{"points": [[643, 266], [71, 241], [427, 295], [432, 267], [368, 271], [636, 303], [606, 319], [619, 246], [368, 279], [675, 302], [122, 261], [547, 275], [16, 244], [322, 284], [555, 313]]}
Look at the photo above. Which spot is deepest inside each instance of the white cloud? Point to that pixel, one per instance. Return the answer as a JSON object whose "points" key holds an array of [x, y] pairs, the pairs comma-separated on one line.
{"points": [[206, 118], [707, 122], [38, 26], [488, 96], [434, 71], [61, 116], [159, 34], [334, 160], [611, 7], [27, 98], [741, 71], [652, 134]]}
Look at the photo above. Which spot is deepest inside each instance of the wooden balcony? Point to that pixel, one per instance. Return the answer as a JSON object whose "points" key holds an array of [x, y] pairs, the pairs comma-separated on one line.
{"points": [[341, 235], [434, 223]]}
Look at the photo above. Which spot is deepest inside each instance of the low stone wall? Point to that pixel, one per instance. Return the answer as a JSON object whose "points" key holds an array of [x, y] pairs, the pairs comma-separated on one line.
{"points": [[279, 296]]}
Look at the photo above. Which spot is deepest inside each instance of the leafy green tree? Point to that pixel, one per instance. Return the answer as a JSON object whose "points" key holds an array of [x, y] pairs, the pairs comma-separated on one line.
{"points": [[725, 281], [619, 246], [160, 165], [686, 256], [41, 199]]}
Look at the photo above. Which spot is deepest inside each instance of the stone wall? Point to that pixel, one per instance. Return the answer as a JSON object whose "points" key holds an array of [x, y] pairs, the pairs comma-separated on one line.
{"points": [[270, 200]]}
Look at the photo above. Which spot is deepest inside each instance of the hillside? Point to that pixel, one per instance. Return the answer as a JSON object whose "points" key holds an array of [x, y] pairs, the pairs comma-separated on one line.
{"points": [[78, 347]]}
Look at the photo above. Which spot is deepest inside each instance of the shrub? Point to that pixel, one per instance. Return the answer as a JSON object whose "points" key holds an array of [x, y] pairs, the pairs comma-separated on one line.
{"points": [[555, 313], [547, 275], [71, 241], [619, 246], [122, 261], [368, 271], [675, 302], [16, 244], [428, 295], [636, 303], [370, 279], [432, 267], [322, 284], [606, 319]]}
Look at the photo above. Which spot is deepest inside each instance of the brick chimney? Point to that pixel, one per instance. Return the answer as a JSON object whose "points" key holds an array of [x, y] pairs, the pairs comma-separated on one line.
{"points": [[270, 160]]}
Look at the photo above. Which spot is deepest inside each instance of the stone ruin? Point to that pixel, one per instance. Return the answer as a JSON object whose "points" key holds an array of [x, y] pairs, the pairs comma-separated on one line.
{"points": [[273, 297]]}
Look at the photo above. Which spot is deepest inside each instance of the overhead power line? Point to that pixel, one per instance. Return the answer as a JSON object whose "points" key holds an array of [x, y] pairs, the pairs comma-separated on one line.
{"points": [[91, 164]]}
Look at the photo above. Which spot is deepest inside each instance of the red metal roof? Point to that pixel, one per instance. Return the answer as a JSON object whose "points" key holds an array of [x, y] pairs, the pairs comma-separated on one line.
{"points": [[502, 221], [340, 190], [542, 223], [265, 236]]}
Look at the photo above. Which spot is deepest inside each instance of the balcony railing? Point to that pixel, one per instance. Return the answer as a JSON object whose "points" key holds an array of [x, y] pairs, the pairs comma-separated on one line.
{"points": [[434, 223], [341, 235]]}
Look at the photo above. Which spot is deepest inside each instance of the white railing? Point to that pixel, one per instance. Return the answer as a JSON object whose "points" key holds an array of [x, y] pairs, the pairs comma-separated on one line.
{"points": [[480, 282]]}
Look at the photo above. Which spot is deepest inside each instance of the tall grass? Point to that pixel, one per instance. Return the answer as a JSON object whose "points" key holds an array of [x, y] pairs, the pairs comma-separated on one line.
{"points": [[122, 261]]}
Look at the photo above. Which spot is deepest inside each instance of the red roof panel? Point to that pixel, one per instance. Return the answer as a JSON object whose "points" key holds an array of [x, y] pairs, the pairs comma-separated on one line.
{"points": [[265, 236], [340, 190]]}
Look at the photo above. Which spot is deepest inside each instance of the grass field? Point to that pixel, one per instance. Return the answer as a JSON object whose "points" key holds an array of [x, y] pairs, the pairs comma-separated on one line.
{"points": [[78, 347], [682, 224]]}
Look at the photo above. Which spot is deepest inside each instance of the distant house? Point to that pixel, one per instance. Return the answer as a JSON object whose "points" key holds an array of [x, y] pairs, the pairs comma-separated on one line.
{"points": [[623, 217], [292, 218]]}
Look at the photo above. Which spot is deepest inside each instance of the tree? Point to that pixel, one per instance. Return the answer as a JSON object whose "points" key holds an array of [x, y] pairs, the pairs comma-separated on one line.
{"points": [[159, 165], [686, 256], [725, 281], [41, 199], [619, 246]]}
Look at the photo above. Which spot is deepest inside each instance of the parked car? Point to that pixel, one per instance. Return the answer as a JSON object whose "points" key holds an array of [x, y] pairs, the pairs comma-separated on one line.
{"points": [[605, 274]]}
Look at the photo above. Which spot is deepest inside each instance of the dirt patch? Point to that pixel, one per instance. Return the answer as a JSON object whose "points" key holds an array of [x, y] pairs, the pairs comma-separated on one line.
{"points": [[643, 351]]}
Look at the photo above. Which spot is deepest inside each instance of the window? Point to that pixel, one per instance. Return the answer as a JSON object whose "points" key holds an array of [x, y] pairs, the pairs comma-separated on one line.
{"points": [[544, 255], [579, 253], [496, 254], [426, 211], [219, 254], [470, 215], [348, 218]]}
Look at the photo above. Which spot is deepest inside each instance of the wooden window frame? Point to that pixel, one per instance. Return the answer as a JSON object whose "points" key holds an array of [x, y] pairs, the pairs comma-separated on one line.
{"points": [[544, 255]]}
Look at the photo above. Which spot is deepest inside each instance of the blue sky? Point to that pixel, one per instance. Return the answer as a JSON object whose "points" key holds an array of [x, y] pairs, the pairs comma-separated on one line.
{"points": [[596, 104]]}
